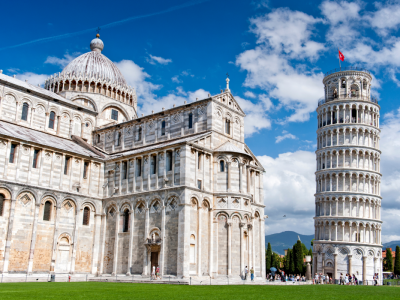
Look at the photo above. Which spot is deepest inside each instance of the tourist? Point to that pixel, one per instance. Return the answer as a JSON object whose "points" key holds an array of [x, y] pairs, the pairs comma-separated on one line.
{"points": [[327, 279], [316, 278], [346, 279], [153, 273], [245, 273], [252, 273], [158, 273]]}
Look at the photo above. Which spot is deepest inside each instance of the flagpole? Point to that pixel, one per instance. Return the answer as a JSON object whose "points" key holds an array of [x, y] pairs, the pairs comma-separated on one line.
{"points": [[340, 67]]}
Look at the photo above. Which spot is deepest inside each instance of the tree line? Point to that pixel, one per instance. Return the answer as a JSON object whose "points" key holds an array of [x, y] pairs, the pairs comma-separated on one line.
{"points": [[388, 261], [291, 263]]}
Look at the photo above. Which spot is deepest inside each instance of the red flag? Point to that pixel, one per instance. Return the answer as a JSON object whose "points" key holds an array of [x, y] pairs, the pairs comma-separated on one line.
{"points": [[341, 56]]}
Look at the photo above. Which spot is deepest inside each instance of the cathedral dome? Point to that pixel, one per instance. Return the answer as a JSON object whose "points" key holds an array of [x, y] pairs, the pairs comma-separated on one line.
{"points": [[94, 64]]}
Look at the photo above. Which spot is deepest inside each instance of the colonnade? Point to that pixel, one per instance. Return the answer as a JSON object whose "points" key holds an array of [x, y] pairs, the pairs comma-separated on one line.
{"points": [[348, 207]]}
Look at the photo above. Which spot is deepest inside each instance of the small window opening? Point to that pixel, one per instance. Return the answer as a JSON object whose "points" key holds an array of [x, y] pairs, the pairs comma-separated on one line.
{"points": [[139, 134], [163, 128], [35, 158], [1, 204], [190, 120], [126, 221], [169, 161], [221, 166], [12, 153], [124, 169], [114, 114], [199, 184], [52, 119], [227, 126], [46, 211], [139, 167], [86, 216], [85, 169], [25, 109], [66, 165], [153, 164]]}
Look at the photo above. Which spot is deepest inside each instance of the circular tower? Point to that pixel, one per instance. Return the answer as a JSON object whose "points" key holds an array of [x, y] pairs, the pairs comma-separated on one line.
{"points": [[347, 200]]}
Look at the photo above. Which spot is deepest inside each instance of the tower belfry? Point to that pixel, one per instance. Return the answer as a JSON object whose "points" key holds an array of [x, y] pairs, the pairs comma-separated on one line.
{"points": [[348, 198]]}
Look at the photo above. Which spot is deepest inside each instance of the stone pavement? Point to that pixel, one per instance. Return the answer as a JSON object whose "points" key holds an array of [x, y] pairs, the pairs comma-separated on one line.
{"points": [[221, 280]]}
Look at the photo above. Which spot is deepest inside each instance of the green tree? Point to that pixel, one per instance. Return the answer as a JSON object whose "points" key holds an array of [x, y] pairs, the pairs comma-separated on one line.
{"points": [[291, 263], [397, 261], [286, 261], [388, 261], [298, 258], [273, 260], [268, 258]]}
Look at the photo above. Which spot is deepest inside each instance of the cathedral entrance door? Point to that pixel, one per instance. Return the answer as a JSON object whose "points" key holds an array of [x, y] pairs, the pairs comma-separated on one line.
{"points": [[154, 260], [63, 261]]}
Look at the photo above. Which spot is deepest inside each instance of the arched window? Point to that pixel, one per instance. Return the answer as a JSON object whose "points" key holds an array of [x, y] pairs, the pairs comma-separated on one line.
{"points": [[221, 166], [25, 109], [1, 204], [163, 128], [47, 211], [52, 119], [190, 120], [227, 126], [86, 216], [126, 220]]}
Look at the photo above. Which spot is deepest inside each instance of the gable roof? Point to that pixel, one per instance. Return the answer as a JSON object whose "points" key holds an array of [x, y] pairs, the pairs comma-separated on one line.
{"points": [[229, 147]]}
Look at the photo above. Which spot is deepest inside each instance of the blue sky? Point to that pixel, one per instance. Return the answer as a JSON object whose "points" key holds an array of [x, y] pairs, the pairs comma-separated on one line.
{"points": [[275, 52]]}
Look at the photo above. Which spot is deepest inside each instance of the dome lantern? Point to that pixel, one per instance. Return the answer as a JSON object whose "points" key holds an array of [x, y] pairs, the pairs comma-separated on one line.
{"points": [[97, 44]]}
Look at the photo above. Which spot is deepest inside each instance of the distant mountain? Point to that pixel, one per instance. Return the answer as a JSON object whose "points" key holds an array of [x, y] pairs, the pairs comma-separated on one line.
{"points": [[284, 240], [392, 245]]}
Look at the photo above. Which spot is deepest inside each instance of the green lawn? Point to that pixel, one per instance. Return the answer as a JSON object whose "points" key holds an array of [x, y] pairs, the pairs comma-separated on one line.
{"points": [[99, 290]]}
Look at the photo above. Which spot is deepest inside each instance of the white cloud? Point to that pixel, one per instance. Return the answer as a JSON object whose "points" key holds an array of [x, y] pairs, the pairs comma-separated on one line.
{"points": [[157, 59], [33, 78], [62, 62], [342, 17], [176, 79], [256, 114], [289, 187], [285, 135], [249, 94], [137, 78], [148, 101], [385, 18], [287, 31], [297, 89]]}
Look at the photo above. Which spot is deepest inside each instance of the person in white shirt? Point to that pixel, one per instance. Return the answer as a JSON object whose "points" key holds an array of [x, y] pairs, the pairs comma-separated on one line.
{"points": [[245, 273]]}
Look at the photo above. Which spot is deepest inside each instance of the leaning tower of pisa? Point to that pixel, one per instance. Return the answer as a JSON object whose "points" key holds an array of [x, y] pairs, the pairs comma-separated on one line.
{"points": [[347, 200]]}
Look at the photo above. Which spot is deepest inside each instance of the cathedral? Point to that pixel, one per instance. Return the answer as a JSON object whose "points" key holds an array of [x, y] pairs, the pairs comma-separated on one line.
{"points": [[87, 186]]}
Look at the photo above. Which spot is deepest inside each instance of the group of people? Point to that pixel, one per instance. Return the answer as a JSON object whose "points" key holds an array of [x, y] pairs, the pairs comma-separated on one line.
{"points": [[246, 271], [322, 279], [348, 279], [284, 277], [155, 273]]}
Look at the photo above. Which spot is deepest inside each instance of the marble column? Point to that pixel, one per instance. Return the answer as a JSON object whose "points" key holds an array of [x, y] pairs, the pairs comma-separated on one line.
{"points": [[96, 244], [116, 240], [199, 213], [162, 252], [229, 223], [131, 230], [350, 266], [33, 238], [146, 233], [335, 266], [75, 238], [364, 275]]}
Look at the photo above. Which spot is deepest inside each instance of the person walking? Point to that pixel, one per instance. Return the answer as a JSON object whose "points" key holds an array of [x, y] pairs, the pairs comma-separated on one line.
{"points": [[153, 273], [245, 272], [252, 274], [316, 278], [158, 273]]}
